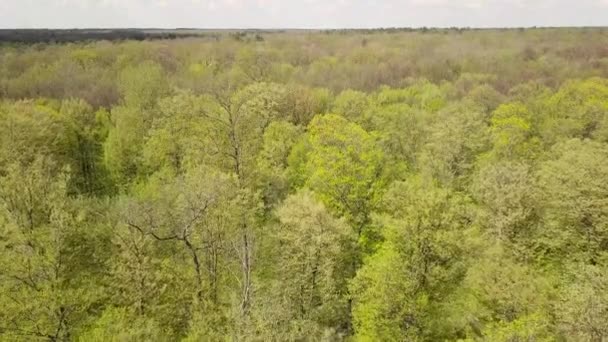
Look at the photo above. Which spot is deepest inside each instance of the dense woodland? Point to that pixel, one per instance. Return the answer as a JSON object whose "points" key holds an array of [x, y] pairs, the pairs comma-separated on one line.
{"points": [[432, 185], [30, 36]]}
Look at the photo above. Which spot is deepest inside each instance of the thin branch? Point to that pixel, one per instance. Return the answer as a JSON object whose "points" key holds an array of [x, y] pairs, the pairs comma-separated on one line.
{"points": [[153, 234]]}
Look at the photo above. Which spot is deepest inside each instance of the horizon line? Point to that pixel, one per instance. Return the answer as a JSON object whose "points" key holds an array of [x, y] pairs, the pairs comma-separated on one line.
{"points": [[305, 28]]}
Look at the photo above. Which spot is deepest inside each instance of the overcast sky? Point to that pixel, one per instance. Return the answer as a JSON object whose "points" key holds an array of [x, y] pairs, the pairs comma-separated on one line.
{"points": [[300, 14]]}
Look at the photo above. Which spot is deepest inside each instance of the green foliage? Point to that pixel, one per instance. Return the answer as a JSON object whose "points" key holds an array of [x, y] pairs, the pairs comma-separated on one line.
{"points": [[575, 201], [582, 309], [577, 110], [503, 300], [28, 130], [285, 186], [238, 123], [528, 328], [456, 138], [45, 289], [118, 324], [343, 165], [83, 134], [142, 85], [422, 94], [512, 133], [272, 163], [504, 192], [176, 139], [351, 104], [308, 289], [401, 289], [122, 147]]}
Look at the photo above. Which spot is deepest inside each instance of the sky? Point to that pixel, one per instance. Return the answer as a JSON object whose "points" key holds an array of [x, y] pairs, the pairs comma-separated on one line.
{"points": [[300, 14]]}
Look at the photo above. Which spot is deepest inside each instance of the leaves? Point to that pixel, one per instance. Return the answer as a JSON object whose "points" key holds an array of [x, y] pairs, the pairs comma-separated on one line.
{"points": [[289, 186]]}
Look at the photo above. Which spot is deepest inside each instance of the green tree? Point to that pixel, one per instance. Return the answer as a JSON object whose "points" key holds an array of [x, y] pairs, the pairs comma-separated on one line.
{"points": [[28, 130], [583, 306], [402, 132], [573, 195], [178, 137], [238, 123], [401, 291], [351, 104], [141, 87], [307, 296], [505, 193], [118, 324], [44, 294], [503, 300], [85, 132], [181, 212], [456, 137], [342, 164], [512, 133], [272, 161], [577, 110]]}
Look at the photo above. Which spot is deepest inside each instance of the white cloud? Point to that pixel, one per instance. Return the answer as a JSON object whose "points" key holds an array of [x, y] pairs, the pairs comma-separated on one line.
{"points": [[300, 13], [449, 3]]}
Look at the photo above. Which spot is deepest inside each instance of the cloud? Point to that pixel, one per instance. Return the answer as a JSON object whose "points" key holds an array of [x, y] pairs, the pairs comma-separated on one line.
{"points": [[448, 3], [300, 13]]}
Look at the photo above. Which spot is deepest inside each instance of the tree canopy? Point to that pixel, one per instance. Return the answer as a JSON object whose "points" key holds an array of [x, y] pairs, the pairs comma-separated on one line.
{"points": [[389, 185]]}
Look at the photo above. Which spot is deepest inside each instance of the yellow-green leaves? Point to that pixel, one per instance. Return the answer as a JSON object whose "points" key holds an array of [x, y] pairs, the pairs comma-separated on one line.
{"points": [[120, 324], [582, 309], [401, 288], [505, 194], [272, 161], [142, 85], [512, 133], [314, 254], [343, 166], [578, 110], [422, 94], [575, 200], [351, 104]]}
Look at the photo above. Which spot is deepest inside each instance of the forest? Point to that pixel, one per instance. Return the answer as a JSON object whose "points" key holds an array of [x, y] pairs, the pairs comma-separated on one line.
{"points": [[372, 185]]}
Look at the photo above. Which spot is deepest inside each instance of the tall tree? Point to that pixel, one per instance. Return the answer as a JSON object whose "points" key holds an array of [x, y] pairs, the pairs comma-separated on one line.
{"points": [[307, 298], [44, 292], [573, 197], [401, 290], [342, 164]]}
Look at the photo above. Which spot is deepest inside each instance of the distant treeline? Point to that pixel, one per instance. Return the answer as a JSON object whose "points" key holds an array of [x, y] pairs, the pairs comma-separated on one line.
{"points": [[32, 36], [453, 29], [67, 36]]}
